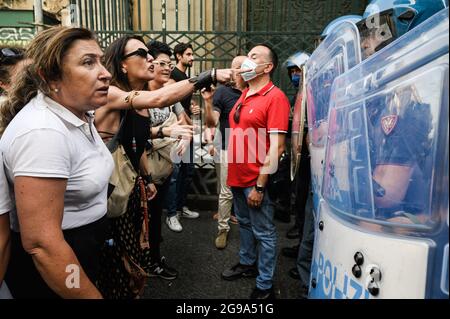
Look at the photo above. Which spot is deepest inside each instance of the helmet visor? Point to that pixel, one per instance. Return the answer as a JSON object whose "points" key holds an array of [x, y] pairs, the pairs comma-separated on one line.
{"points": [[376, 32]]}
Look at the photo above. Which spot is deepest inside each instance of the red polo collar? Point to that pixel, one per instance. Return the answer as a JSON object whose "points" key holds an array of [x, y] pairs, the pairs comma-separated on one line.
{"points": [[264, 91]]}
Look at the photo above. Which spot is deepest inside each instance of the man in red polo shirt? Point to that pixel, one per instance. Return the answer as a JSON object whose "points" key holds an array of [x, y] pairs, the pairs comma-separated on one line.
{"points": [[259, 123]]}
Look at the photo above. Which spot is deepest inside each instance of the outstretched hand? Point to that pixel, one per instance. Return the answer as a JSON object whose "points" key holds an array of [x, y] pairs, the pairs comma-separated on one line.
{"points": [[180, 131], [229, 75]]}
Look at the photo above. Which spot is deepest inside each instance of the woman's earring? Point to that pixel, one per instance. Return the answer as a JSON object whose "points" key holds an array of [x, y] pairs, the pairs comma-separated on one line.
{"points": [[56, 90]]}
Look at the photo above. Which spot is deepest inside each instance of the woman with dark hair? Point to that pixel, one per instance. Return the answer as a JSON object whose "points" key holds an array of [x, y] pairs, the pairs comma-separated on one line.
{"points": [[57, 167], [10, 64], [162, 68], [5, 233], [127, 260], [10, 59]]}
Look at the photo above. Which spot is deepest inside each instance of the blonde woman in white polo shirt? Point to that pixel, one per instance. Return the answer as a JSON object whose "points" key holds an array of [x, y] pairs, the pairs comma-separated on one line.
{"points": [[57, 166]]}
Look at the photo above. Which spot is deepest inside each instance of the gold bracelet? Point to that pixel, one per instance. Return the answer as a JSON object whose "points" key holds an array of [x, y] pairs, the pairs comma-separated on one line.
{"points": [[130, 97]]}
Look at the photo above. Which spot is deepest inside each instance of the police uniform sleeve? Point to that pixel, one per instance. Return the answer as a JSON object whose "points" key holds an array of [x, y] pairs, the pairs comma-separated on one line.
{"points": [[408, 143]]}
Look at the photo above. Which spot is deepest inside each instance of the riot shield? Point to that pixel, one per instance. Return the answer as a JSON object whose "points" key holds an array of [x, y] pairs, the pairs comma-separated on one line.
{"points": [[298, 127], [384, 218], [338, 53]]}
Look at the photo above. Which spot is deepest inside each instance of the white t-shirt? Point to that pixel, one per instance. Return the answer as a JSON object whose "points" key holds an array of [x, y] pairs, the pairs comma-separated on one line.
{"points": [[159, 116], [5, 199], [4, 291], [46, 140]]}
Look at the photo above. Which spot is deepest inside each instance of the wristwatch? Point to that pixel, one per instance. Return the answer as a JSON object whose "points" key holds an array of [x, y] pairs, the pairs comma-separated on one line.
{"points": [[160, 133], [260, 189]]}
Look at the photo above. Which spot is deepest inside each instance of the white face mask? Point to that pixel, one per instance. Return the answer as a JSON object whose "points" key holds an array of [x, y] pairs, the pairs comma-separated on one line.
{"points": [[250, 65]]}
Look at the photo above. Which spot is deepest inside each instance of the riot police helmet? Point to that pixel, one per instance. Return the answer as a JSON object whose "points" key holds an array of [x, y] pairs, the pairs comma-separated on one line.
{"points": [[333, 24], [294, 65], [386, 20]]}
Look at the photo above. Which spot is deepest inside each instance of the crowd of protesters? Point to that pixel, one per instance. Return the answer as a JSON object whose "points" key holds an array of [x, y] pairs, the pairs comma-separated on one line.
{"points": [[56, 167], [70, 110]]}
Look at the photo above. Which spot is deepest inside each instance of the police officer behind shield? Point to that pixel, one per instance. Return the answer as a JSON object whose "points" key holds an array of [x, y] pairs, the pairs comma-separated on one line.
{"points": [[293, 65], [303, 252], [399, 124], [284, 185]]}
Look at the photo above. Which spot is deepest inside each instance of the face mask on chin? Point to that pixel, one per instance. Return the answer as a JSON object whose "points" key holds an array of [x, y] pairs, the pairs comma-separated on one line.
{"points": [[250, 65]]}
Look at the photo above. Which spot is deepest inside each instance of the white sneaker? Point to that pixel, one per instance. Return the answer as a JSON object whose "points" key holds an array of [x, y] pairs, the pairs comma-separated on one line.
{"points": [[187, 213], [174, 224]]}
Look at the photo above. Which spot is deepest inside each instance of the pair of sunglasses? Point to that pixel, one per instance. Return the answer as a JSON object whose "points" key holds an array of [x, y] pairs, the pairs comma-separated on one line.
{"points": [[237, 114], [163, 64], [7, 53], [139, 52]]}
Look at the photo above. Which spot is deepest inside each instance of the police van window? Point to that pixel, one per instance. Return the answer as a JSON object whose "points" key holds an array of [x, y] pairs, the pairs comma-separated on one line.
{"points": [[381, 152]]}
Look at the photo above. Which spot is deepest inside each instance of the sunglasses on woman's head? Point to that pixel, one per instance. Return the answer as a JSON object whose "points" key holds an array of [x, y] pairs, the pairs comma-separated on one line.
{"points": [[7, 53], [139, 52]]}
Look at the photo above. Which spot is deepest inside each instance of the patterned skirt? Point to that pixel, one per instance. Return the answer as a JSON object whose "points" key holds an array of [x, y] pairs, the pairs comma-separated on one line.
{"points": [[126, 256]]}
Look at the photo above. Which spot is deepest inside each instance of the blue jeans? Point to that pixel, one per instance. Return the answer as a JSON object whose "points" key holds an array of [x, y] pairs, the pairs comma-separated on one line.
{"points": [[178, 188], [258, 236]]}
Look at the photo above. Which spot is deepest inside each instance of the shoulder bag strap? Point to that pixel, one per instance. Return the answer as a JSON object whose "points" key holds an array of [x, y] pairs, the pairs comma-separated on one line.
{"points": [[114, 142]]}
